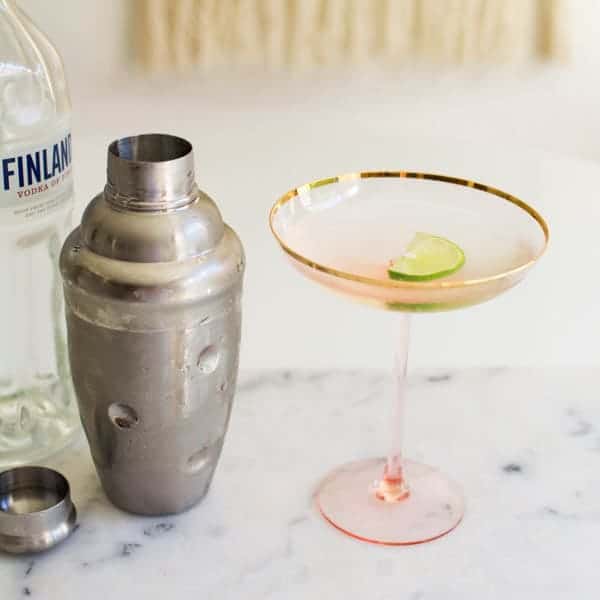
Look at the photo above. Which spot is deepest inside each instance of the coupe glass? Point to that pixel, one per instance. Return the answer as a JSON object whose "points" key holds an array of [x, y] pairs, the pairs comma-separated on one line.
{"points": [[342, 232]]}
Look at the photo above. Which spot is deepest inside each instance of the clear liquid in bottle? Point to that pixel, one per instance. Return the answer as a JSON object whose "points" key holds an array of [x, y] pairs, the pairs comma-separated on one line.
{"points": [[38, 413]]}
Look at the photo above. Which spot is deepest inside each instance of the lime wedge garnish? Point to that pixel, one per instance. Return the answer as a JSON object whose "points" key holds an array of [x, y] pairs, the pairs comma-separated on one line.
{"points": [[427, 257]]}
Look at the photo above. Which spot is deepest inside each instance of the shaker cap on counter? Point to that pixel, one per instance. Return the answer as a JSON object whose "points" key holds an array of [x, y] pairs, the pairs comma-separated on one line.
{"points": [[36, 512]]}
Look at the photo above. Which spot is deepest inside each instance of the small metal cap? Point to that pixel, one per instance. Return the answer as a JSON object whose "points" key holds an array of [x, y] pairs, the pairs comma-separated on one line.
{"points": [[150, 172], [36, 511]]}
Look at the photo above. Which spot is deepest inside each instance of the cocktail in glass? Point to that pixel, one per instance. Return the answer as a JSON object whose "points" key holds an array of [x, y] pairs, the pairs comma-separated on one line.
{"points": [[342, 232]]}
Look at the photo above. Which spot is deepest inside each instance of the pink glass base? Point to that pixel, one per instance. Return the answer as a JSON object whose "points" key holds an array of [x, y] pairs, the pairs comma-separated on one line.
{"points": [[349, 498]]}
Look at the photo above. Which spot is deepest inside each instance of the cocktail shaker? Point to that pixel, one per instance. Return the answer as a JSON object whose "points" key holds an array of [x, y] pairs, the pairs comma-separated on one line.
{"points": [[153, 281]]}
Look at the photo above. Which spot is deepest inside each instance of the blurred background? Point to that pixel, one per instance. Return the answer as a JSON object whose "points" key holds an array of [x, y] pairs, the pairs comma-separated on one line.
{"points": [[274, 93]]}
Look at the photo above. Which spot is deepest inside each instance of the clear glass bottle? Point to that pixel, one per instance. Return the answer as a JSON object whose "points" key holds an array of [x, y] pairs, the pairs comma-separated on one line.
{"points": [[38, 415]]}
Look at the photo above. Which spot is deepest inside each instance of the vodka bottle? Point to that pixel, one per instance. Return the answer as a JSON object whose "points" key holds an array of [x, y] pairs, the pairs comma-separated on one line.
{"points": [[37, 410]]}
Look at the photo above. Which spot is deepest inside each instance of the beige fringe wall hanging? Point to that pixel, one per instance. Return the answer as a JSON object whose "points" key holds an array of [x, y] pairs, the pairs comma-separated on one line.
{"points": [[301, 33]]}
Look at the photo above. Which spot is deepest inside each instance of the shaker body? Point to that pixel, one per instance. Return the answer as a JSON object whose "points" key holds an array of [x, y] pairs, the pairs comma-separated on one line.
{"points": [[154, 346]]}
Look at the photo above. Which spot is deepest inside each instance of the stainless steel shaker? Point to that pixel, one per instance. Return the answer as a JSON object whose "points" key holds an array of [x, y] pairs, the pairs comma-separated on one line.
{"points": [[153, 282]]}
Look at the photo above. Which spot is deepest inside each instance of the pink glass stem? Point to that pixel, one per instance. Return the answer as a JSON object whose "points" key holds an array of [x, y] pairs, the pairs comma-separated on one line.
{"points": [[393, 487]]}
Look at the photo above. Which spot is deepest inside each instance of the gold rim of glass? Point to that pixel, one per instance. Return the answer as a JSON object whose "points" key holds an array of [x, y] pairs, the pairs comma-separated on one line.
{"points": [[392, 283]]}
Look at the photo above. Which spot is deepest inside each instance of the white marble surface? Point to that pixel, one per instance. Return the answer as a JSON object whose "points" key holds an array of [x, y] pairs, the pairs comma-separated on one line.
{"points": [[524, 443]]}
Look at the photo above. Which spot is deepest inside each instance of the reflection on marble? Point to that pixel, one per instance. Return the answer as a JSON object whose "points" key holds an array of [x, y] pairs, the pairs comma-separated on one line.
{"points": [[524, 443]]}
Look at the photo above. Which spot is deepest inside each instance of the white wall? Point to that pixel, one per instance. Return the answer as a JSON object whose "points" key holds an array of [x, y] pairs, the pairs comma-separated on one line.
{"points": [[584, 26], [92, 34]]}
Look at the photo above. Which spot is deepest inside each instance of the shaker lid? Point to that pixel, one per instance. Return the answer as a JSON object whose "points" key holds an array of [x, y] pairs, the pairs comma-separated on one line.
{"points": [[151, 209], [150, 172], [36, 511]]}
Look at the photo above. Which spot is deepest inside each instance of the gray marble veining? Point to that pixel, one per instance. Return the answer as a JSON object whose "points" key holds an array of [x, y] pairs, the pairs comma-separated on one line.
{"points": [[525, 444]]}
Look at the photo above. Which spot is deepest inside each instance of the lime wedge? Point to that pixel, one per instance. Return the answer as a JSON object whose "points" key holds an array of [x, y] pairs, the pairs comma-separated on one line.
{"points": [[427, 257]]}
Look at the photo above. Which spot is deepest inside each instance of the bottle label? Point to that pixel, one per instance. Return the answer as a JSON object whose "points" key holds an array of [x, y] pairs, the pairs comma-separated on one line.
{"points": [[35, 180]]}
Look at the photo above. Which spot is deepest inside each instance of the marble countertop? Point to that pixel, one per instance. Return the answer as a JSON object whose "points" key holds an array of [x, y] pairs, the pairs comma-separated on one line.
{"points": [[525, 444]]}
